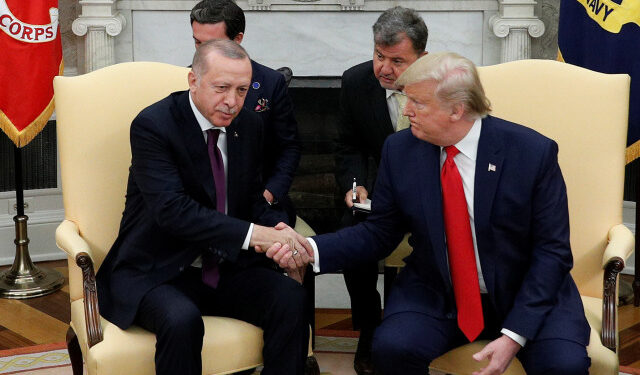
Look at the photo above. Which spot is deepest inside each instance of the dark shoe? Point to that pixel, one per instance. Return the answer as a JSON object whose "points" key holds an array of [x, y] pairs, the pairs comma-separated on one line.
{"points": [[363, 365]]}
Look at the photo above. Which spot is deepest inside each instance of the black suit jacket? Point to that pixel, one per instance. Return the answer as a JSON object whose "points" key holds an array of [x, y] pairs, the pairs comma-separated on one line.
{"points": [[268, 97], [364, 125], [521, 222], [170, 216]]}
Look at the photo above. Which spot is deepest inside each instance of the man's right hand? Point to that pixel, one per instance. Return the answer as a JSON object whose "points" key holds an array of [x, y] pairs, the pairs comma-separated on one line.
{"points": [[263, 238], [361, 196]]}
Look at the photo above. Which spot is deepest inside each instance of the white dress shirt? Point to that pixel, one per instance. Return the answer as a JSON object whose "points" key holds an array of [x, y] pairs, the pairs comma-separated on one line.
{"points": [[466, 163], [222, 145]]}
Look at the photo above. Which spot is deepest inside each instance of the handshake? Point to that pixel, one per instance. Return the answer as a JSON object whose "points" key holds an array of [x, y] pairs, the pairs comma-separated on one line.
{"points": [[285, 246]]}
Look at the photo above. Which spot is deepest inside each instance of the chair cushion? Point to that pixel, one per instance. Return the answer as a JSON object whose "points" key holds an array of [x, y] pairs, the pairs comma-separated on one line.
{"points": [[132, 351], [603, 360]]}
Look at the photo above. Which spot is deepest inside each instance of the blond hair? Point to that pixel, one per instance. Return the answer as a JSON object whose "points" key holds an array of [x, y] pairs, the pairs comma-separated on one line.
{"points": [[457, 81]]}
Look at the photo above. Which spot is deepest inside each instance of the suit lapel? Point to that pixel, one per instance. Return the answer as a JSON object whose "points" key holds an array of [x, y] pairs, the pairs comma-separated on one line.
{"points": [[380, 109], [489, 164], [431, 199], [196, 147]]}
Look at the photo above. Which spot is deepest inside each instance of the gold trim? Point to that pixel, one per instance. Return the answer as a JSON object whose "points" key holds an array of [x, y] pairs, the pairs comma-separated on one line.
{"points": [[633, 152], [22, 138]]}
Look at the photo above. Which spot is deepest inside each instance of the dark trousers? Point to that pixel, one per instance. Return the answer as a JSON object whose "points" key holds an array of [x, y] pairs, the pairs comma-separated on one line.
{"points": [[259, 296], [361, 282], [366, 309], [405, 343]]}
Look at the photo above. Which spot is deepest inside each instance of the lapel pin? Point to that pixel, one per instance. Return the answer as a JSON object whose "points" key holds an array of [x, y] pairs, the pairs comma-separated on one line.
{"points": [[255, 85], [492, 168], [263, 105], [235, 134]]}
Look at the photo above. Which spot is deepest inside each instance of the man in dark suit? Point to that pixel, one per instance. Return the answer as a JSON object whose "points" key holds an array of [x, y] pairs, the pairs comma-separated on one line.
{"points": [[486, 206], [267, 96], [369, 112], [184, 248]]}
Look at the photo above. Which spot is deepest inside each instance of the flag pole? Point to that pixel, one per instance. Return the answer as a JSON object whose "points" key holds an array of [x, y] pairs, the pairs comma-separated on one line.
{"points": [[24, 279]]}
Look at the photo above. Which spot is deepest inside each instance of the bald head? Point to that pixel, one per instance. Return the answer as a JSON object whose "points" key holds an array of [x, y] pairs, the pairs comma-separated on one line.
{"points": [[222, 47]]}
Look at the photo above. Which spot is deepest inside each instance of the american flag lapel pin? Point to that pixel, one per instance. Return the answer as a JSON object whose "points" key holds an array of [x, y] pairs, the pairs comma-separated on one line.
{"points": [[492, 168]]}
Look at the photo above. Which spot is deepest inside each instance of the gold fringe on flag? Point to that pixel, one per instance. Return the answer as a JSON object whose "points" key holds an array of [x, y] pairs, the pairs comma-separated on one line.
{"points": [[633, 152], [22, 138]]}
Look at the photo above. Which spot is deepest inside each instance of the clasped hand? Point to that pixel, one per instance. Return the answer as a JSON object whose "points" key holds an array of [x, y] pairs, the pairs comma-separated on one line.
{"points": [[285, 246]]}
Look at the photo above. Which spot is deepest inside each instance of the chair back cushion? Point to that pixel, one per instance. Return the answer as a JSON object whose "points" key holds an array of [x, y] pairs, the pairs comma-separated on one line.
{"points": [[94, 112], [586, 113]]}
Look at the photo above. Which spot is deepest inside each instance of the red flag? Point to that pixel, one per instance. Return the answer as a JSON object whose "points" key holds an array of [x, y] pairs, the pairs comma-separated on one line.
{"points": [[31, 56]]}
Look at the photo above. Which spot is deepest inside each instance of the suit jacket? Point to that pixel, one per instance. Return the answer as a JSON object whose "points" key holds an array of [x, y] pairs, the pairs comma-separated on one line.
{"points": [[521, 222], [269, 98], [363, 127], [170, 215]]}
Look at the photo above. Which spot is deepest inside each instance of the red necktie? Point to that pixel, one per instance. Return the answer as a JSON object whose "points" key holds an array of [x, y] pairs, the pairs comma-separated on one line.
{"points": [[462, 260], [210, 272]]}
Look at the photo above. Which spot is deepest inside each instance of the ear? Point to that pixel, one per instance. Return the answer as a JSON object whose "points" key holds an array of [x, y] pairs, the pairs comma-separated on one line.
{"points": [[238, 38], [457, 112], [192, 79]]}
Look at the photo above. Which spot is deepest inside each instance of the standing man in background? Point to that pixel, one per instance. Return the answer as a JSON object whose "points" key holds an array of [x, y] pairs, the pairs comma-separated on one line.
{"points": [[370, 110], [267, 96]]}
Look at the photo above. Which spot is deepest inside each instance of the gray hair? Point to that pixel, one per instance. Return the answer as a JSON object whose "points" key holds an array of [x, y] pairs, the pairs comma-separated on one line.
{"points": [[457, 81], [394, 22], [226, 48]]}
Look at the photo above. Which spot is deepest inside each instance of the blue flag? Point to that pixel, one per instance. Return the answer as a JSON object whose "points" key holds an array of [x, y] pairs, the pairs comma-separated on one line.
{"points": [[604, 35]]}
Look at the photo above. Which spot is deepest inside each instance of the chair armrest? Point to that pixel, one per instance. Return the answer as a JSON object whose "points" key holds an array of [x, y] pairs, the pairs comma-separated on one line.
{"points": [[619, 248], [68, 240]]}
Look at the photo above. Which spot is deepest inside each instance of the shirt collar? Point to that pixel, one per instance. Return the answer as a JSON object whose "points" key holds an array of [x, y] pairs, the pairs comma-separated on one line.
{"points": [[468, 145], [202, 121], [391, 92]]}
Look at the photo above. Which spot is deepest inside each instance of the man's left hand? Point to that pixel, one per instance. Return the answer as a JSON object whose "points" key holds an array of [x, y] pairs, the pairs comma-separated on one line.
{"points": [[500, 353], [268, 196]]}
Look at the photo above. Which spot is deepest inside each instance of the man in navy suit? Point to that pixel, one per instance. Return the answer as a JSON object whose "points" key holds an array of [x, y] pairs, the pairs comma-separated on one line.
{"points": [[185, 244], [267, 96], [486, 205]]}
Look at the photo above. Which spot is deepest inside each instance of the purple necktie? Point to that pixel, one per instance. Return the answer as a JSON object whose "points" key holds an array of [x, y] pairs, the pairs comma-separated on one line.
{"points": [[210, 272]]}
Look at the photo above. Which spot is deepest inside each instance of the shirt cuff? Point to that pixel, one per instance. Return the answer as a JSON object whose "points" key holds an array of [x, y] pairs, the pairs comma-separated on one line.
{"points": [[316, 255], [514, 336], [247, 239]]}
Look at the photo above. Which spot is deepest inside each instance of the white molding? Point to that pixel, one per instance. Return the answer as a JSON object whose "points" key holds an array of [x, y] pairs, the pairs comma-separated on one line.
{"points": [[41, 228], [320, 5], [38, 217]]}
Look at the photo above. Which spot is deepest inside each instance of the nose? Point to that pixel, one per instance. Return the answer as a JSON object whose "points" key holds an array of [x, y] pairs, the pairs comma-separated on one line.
{"points": [[408, 109], [386, 68], [230, 98]]}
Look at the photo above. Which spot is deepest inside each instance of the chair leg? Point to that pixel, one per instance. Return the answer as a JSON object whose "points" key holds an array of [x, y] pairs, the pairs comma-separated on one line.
{"points": [[312, 367], [75, 354]]}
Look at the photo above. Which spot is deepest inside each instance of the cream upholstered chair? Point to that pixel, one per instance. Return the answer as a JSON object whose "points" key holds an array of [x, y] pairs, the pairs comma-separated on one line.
{"points": [[585, 112], [94, 112]]}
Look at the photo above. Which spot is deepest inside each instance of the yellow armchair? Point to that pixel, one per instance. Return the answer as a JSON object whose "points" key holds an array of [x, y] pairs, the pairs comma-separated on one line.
{"points": [[585, 112], [94, 112]]}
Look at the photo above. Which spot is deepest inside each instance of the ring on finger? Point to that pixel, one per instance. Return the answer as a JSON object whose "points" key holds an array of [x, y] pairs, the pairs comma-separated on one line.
{"points": [[295, 252]]}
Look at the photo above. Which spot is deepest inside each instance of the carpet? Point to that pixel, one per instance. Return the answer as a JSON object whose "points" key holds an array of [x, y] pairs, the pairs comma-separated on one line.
{"points": [[53, 359], [47, 359]]}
